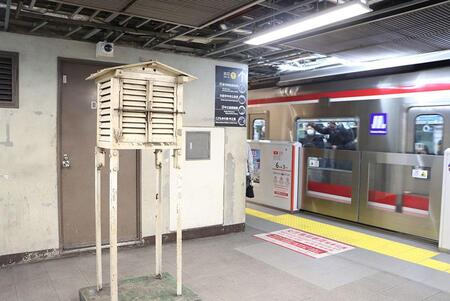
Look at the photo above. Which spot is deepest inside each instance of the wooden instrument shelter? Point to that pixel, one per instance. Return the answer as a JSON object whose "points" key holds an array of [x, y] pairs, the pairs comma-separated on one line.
{"points": [[139, 106]]}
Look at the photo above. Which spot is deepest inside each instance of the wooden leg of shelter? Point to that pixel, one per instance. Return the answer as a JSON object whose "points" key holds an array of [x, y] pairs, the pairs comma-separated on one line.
{"points": [[158, 215], [179, 252], [99, 164], [179, 185], [114, 169]]}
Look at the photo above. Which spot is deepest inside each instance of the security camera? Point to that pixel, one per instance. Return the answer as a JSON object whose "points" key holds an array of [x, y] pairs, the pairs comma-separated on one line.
{"points": [[105, 49]]}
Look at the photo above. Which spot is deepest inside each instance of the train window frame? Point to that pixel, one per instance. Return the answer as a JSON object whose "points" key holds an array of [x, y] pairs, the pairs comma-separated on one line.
{"points": [[415, 139], [356, 120], [253, 128]]}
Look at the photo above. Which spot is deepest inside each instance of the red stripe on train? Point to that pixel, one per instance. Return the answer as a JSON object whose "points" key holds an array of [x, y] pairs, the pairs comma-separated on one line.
{"points": [[352, 93]]}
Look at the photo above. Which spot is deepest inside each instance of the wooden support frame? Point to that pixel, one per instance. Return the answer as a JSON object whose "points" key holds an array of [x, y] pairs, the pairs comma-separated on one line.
{"points": [[99, 164], [158, 215], [139, 107], [113, 172]]}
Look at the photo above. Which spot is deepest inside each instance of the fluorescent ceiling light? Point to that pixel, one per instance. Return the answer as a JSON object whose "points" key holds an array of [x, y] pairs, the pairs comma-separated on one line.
{"points": [[327, 17]]}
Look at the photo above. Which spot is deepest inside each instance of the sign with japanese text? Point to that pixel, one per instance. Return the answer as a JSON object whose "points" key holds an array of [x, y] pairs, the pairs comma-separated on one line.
{"points": [[231, 97]]}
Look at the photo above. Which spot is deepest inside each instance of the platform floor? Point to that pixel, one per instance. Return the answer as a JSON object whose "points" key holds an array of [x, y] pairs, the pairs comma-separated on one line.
{"points": [[143, 288], [243, 268]]}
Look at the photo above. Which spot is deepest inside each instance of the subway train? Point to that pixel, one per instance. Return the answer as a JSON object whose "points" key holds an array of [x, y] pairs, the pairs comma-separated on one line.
{"points": [[387, 172]]}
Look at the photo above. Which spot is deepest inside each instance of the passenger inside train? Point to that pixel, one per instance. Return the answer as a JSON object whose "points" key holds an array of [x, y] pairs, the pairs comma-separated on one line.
{"points": [[311, 138], [331, 134]]}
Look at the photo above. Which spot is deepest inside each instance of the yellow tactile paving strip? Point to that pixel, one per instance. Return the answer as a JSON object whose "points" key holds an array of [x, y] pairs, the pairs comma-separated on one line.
{"points": [[372, 243]]}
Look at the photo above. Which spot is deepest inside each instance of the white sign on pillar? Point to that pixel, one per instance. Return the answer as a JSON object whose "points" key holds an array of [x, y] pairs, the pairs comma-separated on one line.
{"points": [[444, 232]]}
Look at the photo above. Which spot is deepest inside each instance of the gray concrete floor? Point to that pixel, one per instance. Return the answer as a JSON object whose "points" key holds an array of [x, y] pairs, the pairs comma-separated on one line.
{"points": [[241, 267]]}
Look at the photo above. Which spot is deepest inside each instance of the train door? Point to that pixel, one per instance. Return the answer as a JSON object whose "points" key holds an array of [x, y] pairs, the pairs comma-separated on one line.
{"points": [[402, 191], [258, 126], [330, 166]]}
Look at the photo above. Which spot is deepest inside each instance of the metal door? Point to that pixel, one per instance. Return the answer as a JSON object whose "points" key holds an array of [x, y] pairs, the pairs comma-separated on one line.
{"points": [[401, 192], [331, 182], [77, 142]]}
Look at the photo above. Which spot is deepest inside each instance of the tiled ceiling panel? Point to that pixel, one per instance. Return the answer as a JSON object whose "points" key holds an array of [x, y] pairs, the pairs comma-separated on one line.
{"points": [[114, 5], [189, 12], [419, 31]]}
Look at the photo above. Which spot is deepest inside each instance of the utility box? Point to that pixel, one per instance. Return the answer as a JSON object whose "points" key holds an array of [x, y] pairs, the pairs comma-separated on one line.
{"points": [[139, 106]]}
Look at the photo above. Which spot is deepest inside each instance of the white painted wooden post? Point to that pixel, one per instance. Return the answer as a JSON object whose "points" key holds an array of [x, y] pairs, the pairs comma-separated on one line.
{"points": [[179, 251], [179, 184], [99, 163], [158, 215], [114, 169]]}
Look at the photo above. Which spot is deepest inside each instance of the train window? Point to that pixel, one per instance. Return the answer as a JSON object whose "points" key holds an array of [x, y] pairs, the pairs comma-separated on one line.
{"points": [[334, 133], [259, 129], [428, 134]]}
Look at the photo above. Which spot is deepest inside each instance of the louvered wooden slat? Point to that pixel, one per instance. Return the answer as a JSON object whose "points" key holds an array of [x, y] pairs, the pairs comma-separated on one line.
{"points": [[135, 98], [162, 84], [133, 120], [105, 125], [105, 91], [134, 114], [161, 120], [5, 72], [105, 112], [105, 85], [163, 105], [163, 126], [105, 118], [105, 132], [133, 131], [163, 110], [134, 87], [105, 105], [160, 99], [134, 125], [134, 104], [164, 90], [135, 92], [162, 115], [105, 98], [163, 94], [134, 81]]}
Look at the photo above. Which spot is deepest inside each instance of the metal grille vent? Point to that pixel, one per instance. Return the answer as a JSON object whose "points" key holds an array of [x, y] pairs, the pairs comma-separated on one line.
{"points": [[6, 79]]}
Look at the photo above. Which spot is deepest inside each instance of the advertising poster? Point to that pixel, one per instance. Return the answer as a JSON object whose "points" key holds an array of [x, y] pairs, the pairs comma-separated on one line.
{"points": [[231, 97], [256, 164], [281, 171]]}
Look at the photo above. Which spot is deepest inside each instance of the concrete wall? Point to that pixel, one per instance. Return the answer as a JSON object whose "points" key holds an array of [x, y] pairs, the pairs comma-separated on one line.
{"points": [[28, 140]]}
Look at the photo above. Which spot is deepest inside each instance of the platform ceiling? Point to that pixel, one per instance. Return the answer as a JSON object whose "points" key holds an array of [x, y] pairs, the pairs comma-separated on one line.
{"points": [[218, 29]]}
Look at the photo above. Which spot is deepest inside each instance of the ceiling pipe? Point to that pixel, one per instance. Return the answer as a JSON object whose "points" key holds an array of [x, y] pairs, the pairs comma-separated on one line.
{"points": [[227, 15]]}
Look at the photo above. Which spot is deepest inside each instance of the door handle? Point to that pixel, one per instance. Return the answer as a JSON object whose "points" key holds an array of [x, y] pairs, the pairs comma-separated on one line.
{"points": [[66, 161]]}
